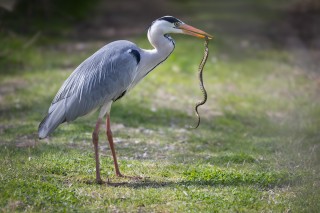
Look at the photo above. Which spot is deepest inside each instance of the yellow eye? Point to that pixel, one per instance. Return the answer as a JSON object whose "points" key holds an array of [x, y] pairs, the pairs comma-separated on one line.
{"points": [[176, 24]]}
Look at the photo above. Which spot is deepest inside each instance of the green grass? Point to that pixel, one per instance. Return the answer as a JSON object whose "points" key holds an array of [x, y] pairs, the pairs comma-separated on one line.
{"points": [[256, 150]]}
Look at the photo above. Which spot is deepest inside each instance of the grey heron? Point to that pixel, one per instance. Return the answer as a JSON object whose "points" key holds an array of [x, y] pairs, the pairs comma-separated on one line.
{"points": [[107, 75]]}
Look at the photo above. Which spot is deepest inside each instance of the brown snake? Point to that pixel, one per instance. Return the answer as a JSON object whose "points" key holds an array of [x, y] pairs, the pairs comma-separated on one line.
{"points": [[203, 90]]}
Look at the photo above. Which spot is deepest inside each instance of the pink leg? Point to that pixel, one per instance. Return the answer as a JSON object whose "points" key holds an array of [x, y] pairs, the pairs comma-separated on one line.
{"points": [[95, 141], [110, 139]]}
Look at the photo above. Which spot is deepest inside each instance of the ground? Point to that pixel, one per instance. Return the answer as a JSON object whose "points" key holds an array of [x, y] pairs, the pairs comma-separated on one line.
{"points": [[256, 150]]}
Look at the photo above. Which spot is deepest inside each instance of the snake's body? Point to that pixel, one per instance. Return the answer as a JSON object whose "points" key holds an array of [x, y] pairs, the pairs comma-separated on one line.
{"points": [[202, 88]]}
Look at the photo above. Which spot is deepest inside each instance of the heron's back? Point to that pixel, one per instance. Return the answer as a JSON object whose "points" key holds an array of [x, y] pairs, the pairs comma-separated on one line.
{"points": [[101, 78]]}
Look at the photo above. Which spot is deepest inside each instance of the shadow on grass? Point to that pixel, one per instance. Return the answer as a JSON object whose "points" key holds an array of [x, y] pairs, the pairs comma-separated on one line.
{"points": [[278, 182]]}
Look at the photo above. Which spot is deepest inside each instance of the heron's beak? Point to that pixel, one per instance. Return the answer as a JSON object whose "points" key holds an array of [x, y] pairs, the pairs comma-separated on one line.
{"points": [[187, 29]]}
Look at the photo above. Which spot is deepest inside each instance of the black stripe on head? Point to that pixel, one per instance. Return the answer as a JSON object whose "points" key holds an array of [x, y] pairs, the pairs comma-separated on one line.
{"points": [[170, 19]]}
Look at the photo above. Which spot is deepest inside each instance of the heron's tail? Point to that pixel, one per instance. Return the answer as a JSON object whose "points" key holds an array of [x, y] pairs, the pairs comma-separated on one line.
{"points": [[50, 123]]}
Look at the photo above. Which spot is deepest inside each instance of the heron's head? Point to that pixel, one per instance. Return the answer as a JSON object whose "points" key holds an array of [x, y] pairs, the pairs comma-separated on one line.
{"points": [[170, 24]]}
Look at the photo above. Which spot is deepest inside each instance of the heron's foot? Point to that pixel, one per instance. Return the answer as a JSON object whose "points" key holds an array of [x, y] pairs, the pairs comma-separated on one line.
{"points": [[99, 181]]}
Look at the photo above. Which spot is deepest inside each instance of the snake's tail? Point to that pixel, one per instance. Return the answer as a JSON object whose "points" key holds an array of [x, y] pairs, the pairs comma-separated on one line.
{"points": [[198, 116], [200, 104]]}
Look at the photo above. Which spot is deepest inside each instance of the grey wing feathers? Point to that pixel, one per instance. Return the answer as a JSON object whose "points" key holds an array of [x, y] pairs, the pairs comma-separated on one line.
{"points": [[101, 78]]}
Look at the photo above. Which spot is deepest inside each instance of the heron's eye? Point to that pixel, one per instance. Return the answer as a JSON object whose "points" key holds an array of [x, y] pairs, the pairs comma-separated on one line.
{"points": [[176, 24]]}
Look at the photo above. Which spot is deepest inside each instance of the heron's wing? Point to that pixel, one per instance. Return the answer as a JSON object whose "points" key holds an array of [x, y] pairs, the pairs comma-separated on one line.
{"points": [[102, 77]]}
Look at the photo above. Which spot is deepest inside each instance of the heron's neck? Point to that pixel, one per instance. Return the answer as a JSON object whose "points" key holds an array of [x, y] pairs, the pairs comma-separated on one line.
{"points": [[163, 47]]}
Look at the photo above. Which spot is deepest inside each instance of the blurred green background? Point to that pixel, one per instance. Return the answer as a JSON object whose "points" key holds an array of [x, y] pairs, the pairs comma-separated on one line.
{"points": [[256, 150]]}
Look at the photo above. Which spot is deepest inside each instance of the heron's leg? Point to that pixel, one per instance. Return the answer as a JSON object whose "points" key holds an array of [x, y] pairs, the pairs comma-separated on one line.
{"points": [[110, 139], [95, 141]]}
